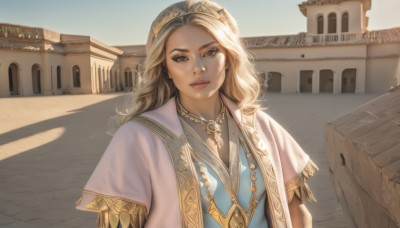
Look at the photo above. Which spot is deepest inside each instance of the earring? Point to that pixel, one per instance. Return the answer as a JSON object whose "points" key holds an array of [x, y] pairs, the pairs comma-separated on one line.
{"points": [[165, 71]]}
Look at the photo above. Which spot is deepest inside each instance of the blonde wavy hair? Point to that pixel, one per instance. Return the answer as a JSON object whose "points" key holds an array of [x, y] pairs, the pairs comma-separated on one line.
{"points": [[241, 84]]}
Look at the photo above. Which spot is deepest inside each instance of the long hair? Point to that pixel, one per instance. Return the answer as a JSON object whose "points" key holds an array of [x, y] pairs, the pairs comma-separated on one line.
{"points": [[241, 83]]}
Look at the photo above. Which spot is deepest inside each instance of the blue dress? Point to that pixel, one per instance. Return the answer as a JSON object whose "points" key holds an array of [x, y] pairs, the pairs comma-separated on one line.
{"points": [[239, 180]]}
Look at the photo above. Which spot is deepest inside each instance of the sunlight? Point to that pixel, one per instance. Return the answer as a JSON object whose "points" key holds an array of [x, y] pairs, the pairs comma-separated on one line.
{"points": [[26, 144]]}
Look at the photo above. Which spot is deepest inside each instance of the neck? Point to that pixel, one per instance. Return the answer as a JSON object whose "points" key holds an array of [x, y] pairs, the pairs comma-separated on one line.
{"points": [[208, 108]]}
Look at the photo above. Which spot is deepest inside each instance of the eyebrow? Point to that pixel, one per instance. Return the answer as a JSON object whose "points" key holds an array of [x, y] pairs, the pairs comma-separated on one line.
{"points": [[186, 50]]}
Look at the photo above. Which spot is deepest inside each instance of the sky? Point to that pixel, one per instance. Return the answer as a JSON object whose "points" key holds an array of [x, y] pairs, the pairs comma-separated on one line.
{"points": [[127, 22]]}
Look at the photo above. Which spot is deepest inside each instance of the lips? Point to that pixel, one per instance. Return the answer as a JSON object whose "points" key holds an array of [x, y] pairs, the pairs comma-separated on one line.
{"points": [[199, 82]]}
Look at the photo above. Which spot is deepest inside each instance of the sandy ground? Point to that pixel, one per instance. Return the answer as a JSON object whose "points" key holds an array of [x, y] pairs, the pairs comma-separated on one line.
{"points": [[50, 145]]}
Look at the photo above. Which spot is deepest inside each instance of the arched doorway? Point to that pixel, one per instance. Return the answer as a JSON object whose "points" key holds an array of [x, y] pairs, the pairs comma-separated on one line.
{"points": [[117, 84], [100, 80], [306, 81], [274, 82], [349, 81], [128, 78], [13, 79], [111, 80], [36, 82], [326, 81], [59, 77], [76, 76]]}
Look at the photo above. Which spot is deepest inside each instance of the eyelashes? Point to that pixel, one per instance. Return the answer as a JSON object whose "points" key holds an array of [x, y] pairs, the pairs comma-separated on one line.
{"points": [[211, 52], [182, 58]]}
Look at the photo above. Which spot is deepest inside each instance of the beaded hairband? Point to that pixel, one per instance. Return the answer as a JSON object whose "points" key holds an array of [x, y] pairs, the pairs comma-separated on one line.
{"points": [[171, 14]]}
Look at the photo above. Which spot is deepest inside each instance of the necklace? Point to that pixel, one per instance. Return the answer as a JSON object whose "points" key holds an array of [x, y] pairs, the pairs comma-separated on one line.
{"points": [[212, 127], [237, 217]]}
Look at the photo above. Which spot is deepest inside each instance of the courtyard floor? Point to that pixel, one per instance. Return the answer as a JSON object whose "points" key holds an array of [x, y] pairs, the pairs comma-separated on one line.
{"points": [[50, 145]]}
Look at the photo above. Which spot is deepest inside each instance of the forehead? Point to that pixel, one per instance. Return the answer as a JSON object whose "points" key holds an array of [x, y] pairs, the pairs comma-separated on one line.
{"points": [[189, 36]]}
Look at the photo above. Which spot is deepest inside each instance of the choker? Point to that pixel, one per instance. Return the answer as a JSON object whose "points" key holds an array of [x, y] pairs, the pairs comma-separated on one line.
{"points": [[212, 127]]}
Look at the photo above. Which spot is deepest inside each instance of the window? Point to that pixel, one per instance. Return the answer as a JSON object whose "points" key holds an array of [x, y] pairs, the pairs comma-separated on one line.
{"points": [[332, 23], [320, 24], [76, 76], [58, 77], [345, 22]]}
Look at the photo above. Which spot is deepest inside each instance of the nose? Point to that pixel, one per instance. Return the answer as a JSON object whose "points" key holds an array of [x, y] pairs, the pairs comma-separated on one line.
{"points": [[199, 66]]}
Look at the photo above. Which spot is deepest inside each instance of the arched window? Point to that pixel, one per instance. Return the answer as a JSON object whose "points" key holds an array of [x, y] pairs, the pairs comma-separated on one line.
{"points": [[128, 77], [332, 23], [345, 22], [58, 77], [76, 76], [13, 79], [320, 24]]}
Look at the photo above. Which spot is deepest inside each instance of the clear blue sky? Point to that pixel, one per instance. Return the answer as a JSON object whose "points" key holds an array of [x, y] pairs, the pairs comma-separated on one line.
{"points": [[126, 22]]}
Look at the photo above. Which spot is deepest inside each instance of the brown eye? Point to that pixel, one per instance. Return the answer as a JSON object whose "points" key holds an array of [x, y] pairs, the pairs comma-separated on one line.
{"points": [[179, 58], [211, 52]]}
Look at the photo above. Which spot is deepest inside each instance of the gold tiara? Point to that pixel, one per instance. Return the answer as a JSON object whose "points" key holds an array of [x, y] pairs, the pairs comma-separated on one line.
{"points": [[171, 14]]}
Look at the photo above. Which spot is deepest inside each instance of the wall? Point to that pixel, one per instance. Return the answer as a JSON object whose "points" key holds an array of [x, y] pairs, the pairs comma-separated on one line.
{"points": [[383, 67]]}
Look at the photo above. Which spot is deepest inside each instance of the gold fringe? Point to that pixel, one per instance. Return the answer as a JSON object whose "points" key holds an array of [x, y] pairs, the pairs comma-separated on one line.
{"points": [[298, 186], [114, 211]]}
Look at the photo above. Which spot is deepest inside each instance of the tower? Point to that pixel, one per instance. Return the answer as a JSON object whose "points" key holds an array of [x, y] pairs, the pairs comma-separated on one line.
{"points": [[335, 20]]}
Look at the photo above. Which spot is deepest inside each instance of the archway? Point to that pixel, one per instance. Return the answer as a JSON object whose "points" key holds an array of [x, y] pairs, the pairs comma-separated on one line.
{"points": [[306, 81], [59, 77], [128, 78], [36, 81], [76, 76], [13, 79], [274, 82], [326, 81], [332, 23], [349, 81]]}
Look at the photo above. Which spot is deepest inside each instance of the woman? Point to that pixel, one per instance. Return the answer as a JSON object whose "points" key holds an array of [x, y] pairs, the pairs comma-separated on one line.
{"points": [[197, 151]]}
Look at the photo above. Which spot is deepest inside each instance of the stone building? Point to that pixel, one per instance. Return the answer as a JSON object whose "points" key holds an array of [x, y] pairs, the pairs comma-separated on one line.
{"points": [[337, 54]]}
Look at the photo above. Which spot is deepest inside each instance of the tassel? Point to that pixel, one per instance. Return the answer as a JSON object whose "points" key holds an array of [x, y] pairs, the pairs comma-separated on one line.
{"points": [[298, 184], [303, 192]]}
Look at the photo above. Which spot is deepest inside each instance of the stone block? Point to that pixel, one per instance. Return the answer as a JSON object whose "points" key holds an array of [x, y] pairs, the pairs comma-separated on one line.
{"points": [[391, 189], [363, 151]]}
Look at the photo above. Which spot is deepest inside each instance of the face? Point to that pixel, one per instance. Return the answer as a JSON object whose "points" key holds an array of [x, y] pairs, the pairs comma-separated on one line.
{"points": [[196, 62]]}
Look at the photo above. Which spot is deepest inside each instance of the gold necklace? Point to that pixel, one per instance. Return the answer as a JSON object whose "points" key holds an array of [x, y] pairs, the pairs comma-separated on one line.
{"points": [[237, 217], [212, 127]]}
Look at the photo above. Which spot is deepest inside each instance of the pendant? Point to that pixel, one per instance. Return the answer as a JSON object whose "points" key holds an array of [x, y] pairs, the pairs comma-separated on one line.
{"points": [[236, 217], [212, 127]]}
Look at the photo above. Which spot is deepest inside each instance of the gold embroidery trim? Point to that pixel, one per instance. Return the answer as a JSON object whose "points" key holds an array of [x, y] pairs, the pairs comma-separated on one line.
{"points": [[114, 211], [276, 212], [298, 185], [186, 176]]}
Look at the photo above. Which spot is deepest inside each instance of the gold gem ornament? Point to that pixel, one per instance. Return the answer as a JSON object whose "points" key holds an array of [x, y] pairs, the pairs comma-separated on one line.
{"points": [[212, 127]]}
